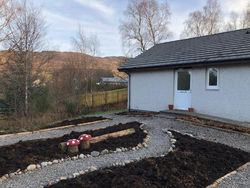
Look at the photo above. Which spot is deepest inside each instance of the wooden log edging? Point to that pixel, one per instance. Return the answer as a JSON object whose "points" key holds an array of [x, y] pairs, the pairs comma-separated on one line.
{"points": [[213, 127], [213, 185], [32, 167], [113, 135], [54, 128]]}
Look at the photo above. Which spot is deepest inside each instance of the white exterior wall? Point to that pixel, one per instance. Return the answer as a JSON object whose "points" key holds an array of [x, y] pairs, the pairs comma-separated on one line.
{"points": [[231, 100], [151, 91]]}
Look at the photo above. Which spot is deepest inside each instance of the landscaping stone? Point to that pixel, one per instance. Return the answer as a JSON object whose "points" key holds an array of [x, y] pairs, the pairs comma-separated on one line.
{"points": [[31, 167], [81, 156], [140, 145], [105, 151], [142, 126], [81, 172], [95, 153], [118, 150], [145, 145], [127, 161], [159, 144], [55, 161], [49, 163], [44, 164], [173, 140], [92, 168], [11, 175], [76, 174], [63, 178]]}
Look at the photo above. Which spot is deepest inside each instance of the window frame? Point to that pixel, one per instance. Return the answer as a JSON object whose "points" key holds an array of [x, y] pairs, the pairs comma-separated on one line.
{"points": [[209, 87]]}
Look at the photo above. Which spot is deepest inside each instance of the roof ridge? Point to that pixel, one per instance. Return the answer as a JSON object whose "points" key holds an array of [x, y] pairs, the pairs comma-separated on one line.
{"points": [[204, 36]]}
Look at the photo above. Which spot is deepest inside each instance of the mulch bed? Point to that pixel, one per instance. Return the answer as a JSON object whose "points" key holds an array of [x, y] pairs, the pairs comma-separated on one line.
{"points": [[22, 154], [194, 163], [75, 121], [63, 123], [138, 113], [217, 124]]}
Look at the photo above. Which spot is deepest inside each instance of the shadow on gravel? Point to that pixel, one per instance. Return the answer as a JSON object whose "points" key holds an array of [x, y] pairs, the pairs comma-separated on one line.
{"points": [[194, 163]]}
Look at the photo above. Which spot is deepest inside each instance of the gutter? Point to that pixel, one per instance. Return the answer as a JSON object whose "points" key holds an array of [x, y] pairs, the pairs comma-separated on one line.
{"points": [[186, 64]]}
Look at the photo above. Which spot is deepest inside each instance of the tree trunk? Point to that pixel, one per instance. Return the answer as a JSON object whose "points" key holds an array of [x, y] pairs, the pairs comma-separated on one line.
{"points": [[26, 86], [26, 95]]}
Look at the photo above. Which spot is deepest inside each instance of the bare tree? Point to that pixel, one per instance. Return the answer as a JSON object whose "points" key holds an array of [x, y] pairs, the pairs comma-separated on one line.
{"points": [[234, 22], [87, 46], [246, 17], [239, 21], [25, 38], [205, 22], [7, 13], [145, 24]]}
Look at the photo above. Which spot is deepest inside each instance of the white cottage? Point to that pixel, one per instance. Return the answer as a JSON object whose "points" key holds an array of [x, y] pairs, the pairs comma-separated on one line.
{"points": [[210, 74]]}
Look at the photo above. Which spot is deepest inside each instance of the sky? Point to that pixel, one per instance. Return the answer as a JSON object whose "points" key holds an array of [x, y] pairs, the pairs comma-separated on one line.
{"points": [[102, 18]]}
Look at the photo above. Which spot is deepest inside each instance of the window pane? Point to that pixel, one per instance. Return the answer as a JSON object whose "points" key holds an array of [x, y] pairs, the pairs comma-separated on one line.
{"points": [[183, 81], [213, 77]]}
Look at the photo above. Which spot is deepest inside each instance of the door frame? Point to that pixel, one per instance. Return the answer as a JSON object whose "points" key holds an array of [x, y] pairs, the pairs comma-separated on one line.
{"points": [[182, 91]]}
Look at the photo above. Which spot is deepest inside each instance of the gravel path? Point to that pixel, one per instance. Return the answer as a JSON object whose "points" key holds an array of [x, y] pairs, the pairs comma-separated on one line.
{"points": [[239, 180], [158, 145]]}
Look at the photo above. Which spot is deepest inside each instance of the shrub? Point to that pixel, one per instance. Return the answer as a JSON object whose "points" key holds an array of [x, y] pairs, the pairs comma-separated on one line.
{"points": [[71, 107], [41, 100]]}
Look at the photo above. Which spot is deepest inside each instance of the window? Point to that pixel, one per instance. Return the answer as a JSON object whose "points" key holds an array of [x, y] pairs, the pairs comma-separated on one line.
{"points": [[212, 78], [183, 81]]}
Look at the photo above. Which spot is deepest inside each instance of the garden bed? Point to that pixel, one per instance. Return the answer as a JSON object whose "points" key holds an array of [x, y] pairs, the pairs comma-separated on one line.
{"points": [[138, 113], [22, 154], [58, 125], [75, 122], [216, 124], [193, 163]]}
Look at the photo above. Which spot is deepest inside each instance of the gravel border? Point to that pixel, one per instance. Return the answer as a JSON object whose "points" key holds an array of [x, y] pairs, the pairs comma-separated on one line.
{"points": [[158, 145]]}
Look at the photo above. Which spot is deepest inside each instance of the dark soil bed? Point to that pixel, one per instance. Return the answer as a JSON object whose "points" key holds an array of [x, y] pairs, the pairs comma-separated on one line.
{"points": [[194, 163], [215, 124], [22, 154], [75, 122], [137, 113]]}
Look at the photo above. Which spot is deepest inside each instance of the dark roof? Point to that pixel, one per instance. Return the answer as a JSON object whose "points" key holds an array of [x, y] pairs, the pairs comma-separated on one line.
{"points": [[233, 45], [120, 80]]}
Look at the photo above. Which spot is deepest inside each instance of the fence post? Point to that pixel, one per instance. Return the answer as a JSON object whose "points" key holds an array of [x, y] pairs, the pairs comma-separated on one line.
{"points": [[117, 96], [106, 97], [92, 98]]}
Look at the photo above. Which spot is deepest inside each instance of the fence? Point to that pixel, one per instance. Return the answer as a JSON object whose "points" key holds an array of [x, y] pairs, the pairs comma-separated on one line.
{"points": [[106, 97]]}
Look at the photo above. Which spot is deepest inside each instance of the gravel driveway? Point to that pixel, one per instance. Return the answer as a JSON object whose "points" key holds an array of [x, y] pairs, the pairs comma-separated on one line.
{"points": [[158, 145]]}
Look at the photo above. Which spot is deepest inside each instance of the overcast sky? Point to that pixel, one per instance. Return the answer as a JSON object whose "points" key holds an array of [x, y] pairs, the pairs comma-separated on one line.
{"points": [[101, 17]]}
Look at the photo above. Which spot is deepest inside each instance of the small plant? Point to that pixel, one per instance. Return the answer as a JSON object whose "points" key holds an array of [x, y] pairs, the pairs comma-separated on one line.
{"points": [[71, 107]]}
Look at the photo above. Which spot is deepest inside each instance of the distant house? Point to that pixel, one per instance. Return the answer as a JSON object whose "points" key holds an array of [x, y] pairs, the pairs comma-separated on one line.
{"points": [[210, 74], [115, 81]]}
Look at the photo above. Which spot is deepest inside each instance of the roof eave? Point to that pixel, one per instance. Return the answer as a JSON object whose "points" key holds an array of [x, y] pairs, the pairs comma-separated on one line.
{"points": [[234, 60]]}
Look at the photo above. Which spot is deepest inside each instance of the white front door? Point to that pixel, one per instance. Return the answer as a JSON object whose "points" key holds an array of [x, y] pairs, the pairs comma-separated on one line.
{"points": [[182, 98]]}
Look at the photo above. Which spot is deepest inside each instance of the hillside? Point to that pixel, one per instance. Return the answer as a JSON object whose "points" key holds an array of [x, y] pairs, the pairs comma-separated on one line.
{"points": [[57, 59]]}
